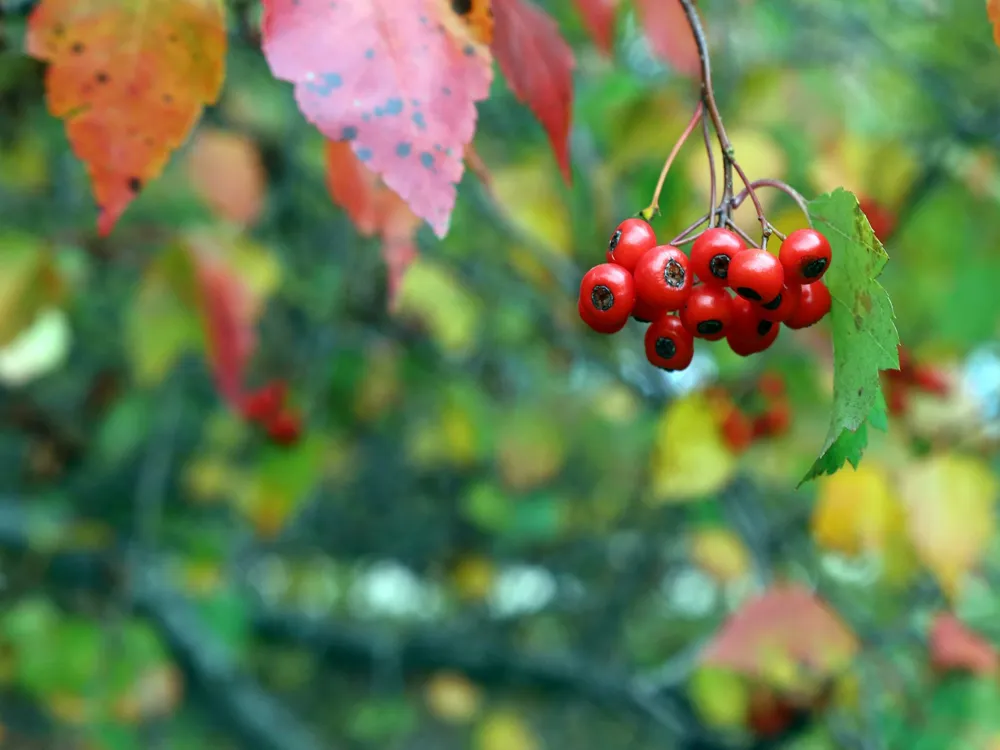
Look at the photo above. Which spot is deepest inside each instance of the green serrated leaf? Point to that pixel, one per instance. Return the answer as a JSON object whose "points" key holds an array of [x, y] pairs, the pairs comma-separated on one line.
{"points": [[865, 340]]}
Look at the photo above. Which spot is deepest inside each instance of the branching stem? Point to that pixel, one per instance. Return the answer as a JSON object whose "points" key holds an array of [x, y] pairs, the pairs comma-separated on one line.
{"points": [[653, 209]]}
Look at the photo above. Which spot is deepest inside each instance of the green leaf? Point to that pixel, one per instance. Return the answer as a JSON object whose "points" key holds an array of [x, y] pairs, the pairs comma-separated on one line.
{"points": [[864, 333]]}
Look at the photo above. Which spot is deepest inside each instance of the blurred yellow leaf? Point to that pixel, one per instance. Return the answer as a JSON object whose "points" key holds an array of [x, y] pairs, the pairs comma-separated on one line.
{"points": [[473, 577], [759, 155], [720, 553], [881, 170], [505, 731], [210, 479], [452, 697], [857, 510], [29, 283], [24, 165], [380, 388], [530, 450], [720, 696], [529, 193], [225, 169], [155, 693], [431, 296], [68, 708], [280, 483], [950, 501], [202, 576], [690, 459]]}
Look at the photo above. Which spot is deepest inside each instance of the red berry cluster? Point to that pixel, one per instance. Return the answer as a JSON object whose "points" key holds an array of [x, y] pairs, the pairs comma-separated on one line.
{"points": [[770, 417], [682, 298], [898, 384], [267, 406]]}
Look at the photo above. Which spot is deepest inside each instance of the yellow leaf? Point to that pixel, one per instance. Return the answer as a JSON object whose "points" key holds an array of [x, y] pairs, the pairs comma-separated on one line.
{"points": [[505, 731], [720, 696], [209, 479], [720, 553], [452, 697], [759, 155], [882, 170], [856, 511], [473, 577], [29, 283], [431, 296], [530, 196], [950, 501], [690, 458]]}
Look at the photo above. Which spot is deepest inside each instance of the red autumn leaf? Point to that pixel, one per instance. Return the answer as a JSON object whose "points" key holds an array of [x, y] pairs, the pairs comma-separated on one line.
{"points": [[954, 646], [130, 79], [993, 13], [785, 623], [228, 313], [399, 79], [373, 209], [599, 18], [538, 65], [669, 34]]}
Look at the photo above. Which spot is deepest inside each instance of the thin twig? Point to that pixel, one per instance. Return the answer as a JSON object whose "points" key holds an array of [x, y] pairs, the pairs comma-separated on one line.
{"points": [[653, 209], [707, 136], [784, 187]]}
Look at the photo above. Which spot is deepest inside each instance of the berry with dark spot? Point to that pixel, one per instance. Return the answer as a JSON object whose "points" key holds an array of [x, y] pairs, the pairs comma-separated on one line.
{"points": [[748, 332], [756, 275], [669, 346], [711, 254], [783, 306], [707, 312], [607, 297], [812, 308], [662, 278], [805, 255], [630, 241]]}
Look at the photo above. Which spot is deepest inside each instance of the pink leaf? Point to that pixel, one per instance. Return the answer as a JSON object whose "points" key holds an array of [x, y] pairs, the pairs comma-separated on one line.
{"points": [[954, 646], [669, 34], [785, 622], [399, 79], [538, 65], [374, 210], [599, 18]]}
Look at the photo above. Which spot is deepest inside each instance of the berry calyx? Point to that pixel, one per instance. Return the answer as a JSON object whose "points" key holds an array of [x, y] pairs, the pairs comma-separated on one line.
{"points": [[783, 306], [813, 306], [749, 333], [607, 297], [805, 256], [669, 346], [712, 253], [662, 277], [630, 241], [756, 275], [707, 313], [264, 403], [285, 428]]}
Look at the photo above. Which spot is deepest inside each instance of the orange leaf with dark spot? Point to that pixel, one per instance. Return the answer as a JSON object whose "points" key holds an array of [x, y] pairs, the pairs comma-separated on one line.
{"points": [[955, 646], [599, 18], [538, 65], [478, 17], [130, 77], [669, 34]]}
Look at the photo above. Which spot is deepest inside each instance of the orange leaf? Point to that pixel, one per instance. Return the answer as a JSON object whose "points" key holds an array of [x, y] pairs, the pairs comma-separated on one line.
{"points": [[599, 18], [954, 646], [226, 170], [130, 78], [538, 65], [669, 34], [787, 625], [993, 13], [478, 17]]}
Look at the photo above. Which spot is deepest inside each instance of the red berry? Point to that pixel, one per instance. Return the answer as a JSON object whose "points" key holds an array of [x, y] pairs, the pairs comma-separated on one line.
{"points": [[897, 400], [749, 333], [771, 385], [265, 402], [669, 346], [284, 428], [882, 219], [607, 296], [775, 421], [711, 254], [756, 275], [646, 313], [930, 380], [737, 430], [813, 306], [805, 255], [707, 312], [662, 278], [599, 326], [631, 240], [783, 306]]}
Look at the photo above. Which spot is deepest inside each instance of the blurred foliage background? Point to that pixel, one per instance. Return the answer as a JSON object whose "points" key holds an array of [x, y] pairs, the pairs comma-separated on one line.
{"points": [[499, 531]]}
